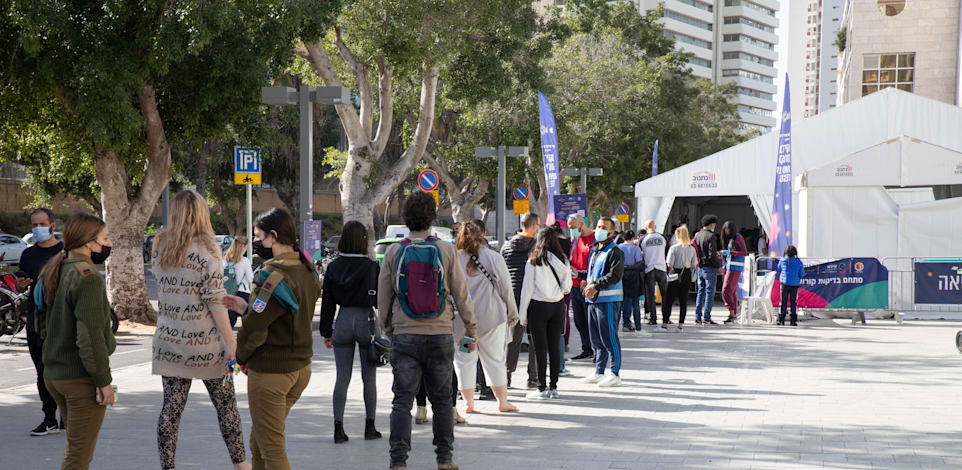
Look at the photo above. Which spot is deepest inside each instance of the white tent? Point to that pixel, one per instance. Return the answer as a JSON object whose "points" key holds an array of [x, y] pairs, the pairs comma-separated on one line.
{"points": [[850, 166]]}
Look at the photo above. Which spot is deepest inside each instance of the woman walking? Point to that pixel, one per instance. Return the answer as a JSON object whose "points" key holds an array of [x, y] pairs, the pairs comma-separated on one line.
{"points": [[735, 251], [489, 284], [547, 279], [791, 272], [194, 339], [274, 345], [73, 319], [238, 274], [682, 259], [350, 290]]}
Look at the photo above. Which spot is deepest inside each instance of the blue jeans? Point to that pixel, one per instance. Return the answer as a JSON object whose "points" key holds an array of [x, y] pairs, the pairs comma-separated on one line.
{"points": [[603, 323], [414, 356], [707, 279], [631, 306]]}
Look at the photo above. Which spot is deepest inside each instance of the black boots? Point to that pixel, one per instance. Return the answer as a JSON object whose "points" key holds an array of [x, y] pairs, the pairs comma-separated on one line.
{"points": [[781, 319], [369, 431], [339, 435], [794, 319]]}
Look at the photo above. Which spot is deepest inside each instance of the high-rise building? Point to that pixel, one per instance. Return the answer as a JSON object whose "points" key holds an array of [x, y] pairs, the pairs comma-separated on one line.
{"points": [[909, 45], [732, 41], [813, 27]]}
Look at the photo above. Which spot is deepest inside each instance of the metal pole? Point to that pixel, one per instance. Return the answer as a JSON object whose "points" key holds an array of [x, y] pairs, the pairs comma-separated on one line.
{"points": [[250, 223], [584, 181], [306, 193], [499, 196], [165, 206]]}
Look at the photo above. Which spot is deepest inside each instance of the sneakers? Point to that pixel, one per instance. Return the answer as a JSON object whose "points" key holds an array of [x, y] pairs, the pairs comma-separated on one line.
{"points": [[709, 323], [628, 329], [592, 379], [641, 332], [585, 356], [532, 385], [553, 394], [421, 417], [46, 428], [565, 373], [679, 328], [661, 329], [698, 322], [458, 419], [730, 320], [538, 395], [611, 380]]}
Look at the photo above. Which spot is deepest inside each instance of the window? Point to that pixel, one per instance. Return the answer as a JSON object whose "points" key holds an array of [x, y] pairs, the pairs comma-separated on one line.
{"points": [[748, 40], [891, 7], [701, 62], [888, 71], [755, 93], [753, 110], [747, 74], [748, 57], [688, 20], [754, 24], [753, 6], [697, 4], [688, 39]]}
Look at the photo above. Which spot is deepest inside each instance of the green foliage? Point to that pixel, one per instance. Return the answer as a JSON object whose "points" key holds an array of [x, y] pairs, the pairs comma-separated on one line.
{"points": [[16, 224], [841, 38]]}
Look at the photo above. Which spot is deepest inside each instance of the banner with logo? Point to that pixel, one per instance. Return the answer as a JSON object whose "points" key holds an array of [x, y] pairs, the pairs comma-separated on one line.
{"points": [[549, 150], [848, 283], [780, 232], [704, 180], [938, 282], [567, 204]]}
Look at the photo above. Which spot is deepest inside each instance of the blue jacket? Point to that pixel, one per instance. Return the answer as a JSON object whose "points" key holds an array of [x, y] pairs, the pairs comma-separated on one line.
{"points": [[606, 268], [792, 270]]}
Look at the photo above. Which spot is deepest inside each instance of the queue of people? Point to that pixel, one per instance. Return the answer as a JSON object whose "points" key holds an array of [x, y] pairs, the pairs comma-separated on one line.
{"points": [[454, 313]]}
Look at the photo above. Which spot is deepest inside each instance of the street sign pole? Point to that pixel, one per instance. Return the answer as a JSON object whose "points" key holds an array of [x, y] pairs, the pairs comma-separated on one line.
{"points": [[584, 181], [499, 195], [307, 159], [250, 223]]}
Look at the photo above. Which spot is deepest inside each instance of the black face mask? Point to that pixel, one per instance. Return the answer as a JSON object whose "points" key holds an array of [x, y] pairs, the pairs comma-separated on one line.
{"points": [[262, 251], [99, 258]]}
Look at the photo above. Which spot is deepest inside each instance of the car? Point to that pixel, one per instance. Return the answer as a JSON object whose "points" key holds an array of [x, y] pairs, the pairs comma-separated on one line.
{"points": [[492, 242], [331, 243], [381, 246], [28, 238], [10, 248], [401, 231]]}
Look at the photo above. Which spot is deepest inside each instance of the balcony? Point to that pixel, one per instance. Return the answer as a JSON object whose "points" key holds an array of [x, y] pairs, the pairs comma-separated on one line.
{"points": [[750, 31], [750, 83], [739, 46]]}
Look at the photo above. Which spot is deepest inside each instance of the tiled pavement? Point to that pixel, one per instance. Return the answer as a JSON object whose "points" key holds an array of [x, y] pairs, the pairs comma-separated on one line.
{"points": [[824, 395]]}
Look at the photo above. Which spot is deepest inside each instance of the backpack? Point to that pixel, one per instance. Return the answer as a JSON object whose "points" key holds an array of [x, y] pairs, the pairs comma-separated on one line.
{"points": [[230, 278], [420, 280]]}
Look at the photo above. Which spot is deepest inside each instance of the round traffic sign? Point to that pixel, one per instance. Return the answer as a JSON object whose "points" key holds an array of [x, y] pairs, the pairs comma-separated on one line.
{"points": [[428, 180], [623, 209], [521, 193]]}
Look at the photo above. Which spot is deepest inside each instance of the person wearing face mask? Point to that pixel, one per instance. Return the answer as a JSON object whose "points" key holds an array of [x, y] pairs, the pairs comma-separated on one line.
{"points": [[274, 344], [31, 262], [581, 241], [604, 293], [73, 321]]}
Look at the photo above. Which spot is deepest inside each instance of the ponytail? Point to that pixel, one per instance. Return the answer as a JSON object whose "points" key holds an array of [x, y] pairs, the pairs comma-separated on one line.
{"points": [[50, 275]]}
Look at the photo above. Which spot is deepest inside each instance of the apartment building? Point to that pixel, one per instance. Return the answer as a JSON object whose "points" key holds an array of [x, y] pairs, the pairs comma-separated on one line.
{"points": [[812, 54]]}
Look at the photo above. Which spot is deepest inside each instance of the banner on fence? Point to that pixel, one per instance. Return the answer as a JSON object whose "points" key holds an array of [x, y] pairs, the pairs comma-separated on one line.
{"points": [[938, 282], [848, 283], [567, 204]]}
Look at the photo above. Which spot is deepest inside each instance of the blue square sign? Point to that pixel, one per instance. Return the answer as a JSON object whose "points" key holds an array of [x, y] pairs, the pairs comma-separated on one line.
{"points": [[247, 160]]}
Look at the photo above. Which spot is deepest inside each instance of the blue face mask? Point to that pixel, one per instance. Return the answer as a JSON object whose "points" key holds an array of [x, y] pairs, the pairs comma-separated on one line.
{"points": [[601, 234], [41, 234], [575, 234]]}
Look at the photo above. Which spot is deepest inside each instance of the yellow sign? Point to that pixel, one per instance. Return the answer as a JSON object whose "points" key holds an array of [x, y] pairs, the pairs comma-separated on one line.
{"points": [[623, 218], [522, 207], [435, 194], [247, 178]]}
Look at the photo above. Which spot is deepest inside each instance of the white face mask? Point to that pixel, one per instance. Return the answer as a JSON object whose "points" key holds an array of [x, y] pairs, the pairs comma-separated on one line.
{"points": [[601, 234], [575, 233]]}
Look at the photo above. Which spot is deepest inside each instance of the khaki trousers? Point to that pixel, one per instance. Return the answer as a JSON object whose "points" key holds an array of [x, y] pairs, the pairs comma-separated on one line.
{"points": [[270, 398], [77, 401]]}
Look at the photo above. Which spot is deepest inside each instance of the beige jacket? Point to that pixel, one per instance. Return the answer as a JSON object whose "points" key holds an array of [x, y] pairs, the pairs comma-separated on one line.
{"points": [[454, 283]]}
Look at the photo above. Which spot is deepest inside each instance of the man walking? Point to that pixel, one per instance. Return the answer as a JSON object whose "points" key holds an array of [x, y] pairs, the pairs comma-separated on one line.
{"points": [[634, 265], [655, 246], [422, 344], [581, 241], [709, 260], [31, 262], [604, 293], [515, 253]]}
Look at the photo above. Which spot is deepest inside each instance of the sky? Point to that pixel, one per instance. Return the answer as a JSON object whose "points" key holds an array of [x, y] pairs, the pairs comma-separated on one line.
{"points": [[781, 65]]}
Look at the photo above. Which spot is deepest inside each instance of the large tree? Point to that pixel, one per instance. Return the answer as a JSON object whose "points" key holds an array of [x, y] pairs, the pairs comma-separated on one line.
{"points": [[116, 82], [377, 47]]}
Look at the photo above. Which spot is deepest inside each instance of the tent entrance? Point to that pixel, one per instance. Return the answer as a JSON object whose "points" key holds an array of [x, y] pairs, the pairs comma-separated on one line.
{"points": [[690, 210]]}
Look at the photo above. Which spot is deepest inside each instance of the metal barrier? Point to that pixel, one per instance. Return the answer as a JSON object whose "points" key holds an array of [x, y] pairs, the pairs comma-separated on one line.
{"points": [[902, 289]]}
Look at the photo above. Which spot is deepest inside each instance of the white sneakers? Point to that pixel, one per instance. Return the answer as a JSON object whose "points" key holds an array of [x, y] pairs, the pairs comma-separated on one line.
{"points": [[538, 395], [610, 380], [592, 379], [643, 333]]}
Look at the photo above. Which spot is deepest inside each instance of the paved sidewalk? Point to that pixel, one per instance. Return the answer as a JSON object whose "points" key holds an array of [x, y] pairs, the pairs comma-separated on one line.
{"points": [[824, 395]]}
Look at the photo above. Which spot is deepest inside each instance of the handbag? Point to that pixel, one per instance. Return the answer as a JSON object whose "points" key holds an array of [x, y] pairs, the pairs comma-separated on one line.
{"points": [[379, 353]]}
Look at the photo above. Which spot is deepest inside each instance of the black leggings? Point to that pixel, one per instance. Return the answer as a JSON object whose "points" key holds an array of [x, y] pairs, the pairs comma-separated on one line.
{"points": [[546, 322], [677, 290], [789, 293], [422, 396]]}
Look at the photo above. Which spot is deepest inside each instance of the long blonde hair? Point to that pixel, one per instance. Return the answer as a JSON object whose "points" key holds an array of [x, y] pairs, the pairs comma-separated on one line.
{"points": [[236, 250], [81, 229], [681, 233], [189, 223]]}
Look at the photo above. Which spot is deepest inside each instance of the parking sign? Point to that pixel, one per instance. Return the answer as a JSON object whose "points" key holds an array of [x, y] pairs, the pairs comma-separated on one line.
{"points": [[247, 165]]}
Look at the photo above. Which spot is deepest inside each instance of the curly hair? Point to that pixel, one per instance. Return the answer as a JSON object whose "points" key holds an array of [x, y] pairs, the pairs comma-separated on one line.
{"points": [[419, 211]]}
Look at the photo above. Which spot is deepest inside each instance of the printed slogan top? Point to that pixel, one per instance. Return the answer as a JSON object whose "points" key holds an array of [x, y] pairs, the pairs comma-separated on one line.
{"points": [[187, 343]]}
